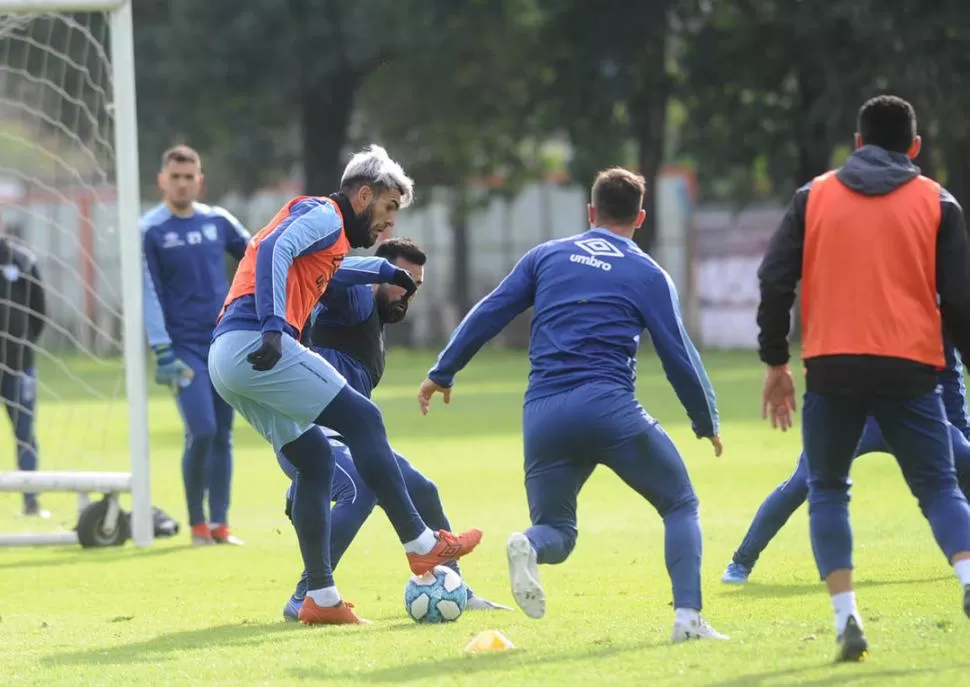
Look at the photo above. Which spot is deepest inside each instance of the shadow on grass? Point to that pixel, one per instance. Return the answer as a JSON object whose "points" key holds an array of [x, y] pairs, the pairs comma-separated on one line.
{"points": [[153, 650], [166, 647], [833, 674], [75, 555], [774, 591], [443, 669]]}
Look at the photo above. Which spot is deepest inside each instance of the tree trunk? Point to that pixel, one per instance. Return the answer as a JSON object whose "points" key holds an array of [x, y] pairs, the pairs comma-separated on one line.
{"points": [[326, 107], [650, 129], [813, 127], [649, 109], [461, 259]]}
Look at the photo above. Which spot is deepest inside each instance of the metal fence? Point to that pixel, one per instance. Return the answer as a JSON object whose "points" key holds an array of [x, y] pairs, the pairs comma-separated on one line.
{"points": [[711, 254]]}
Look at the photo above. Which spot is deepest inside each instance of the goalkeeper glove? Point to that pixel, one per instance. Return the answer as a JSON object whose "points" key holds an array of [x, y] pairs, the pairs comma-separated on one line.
{"points": [[269, 352], [169, 370]]}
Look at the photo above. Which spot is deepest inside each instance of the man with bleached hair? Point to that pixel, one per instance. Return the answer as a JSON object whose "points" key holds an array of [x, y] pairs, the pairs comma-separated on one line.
{"points": [[288, 393]]}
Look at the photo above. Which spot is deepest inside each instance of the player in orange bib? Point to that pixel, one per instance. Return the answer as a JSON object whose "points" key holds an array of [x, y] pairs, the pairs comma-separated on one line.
{"points": [[287, 392]]}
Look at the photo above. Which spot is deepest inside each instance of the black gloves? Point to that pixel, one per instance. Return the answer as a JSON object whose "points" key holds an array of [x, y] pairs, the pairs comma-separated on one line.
{"points": [[269, 352], [403, 279]]}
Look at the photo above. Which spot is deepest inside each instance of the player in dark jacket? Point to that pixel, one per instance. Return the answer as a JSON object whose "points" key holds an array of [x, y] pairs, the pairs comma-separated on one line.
{"points": [[22, 311]]}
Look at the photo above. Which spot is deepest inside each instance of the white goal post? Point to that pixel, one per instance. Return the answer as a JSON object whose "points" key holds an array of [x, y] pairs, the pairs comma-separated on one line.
{"points": [[122, 114]]}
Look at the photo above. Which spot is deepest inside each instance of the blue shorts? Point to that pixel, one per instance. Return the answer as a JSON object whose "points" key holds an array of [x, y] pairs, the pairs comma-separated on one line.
{"points": [[281, 404]]}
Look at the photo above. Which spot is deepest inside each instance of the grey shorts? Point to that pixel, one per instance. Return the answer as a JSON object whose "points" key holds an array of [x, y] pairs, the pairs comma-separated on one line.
{"points": [[281, 404]]}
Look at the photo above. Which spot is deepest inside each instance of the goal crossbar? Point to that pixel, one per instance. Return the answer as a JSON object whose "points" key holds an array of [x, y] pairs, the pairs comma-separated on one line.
{"points": [[81, 482], [60, 5]]}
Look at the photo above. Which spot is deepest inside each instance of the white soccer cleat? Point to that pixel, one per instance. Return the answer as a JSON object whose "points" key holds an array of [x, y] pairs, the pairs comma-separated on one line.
{"points": [[698, 628], [477, 603], [524, 576]]}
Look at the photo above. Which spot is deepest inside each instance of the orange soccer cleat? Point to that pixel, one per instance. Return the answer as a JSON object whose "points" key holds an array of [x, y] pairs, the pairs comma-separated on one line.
{"points": [[201, 536], [449, 547], [341, 614]]}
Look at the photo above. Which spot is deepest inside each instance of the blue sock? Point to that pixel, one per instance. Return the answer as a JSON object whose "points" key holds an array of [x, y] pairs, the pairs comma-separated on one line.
{"points": [[194, 458], [361, 425], [311, 456]]}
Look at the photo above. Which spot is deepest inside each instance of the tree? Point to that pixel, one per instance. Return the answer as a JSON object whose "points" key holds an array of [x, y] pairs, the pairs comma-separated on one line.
{"points": [[459, 107], [269, 83], [775, 86], [611, 86]]}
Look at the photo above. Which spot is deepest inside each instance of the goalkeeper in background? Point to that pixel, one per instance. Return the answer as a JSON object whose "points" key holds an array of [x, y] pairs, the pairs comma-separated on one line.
{"points": [[22, 311], [185, 243]]}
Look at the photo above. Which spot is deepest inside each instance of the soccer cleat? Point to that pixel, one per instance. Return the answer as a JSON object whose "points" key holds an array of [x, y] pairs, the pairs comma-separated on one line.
{"points": [[201, 536], [735, 573], [291, 611], [341, 614], [853, 646], [222, 535], [477, 603], [448, 547], [524, 576], [966, 600], [698, 628]]}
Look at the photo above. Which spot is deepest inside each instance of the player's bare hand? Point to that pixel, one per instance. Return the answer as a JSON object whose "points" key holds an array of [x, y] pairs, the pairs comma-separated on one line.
{"points": [[429, 389], [778, 397], [718, 446]]}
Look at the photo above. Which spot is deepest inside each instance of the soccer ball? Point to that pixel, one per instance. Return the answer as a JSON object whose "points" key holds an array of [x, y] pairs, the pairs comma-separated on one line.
{"points": [[438, 596]]}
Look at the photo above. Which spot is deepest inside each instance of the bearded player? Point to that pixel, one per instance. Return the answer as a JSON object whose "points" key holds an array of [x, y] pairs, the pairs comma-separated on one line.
{"points": [[287, 392]]}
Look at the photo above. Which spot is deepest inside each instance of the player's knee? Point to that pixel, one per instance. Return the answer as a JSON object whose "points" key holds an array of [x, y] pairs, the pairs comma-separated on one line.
{"points": [[829, 484], [938, 488], [201, 432], [223, 437], [199, 444], [684, 503]]}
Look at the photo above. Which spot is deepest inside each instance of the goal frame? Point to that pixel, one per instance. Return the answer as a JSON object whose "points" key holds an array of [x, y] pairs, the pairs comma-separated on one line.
{"points": [[138, 481]]}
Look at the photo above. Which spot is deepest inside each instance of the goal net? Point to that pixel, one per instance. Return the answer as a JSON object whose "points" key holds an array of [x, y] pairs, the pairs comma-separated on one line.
{"points": [[72, 366]]}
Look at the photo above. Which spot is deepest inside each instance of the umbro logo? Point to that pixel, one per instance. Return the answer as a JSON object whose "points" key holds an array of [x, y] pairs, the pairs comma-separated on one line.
{"points": [[450, 551], [596, 248], [600, 248]]}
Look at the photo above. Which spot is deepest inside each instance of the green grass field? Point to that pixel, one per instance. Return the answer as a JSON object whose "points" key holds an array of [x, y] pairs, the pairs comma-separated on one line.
{"points": [[174, 615]]}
